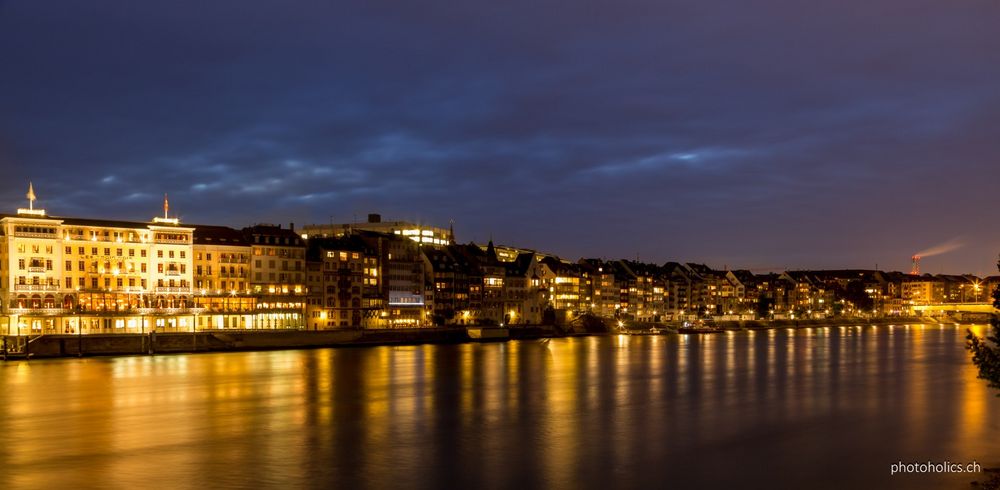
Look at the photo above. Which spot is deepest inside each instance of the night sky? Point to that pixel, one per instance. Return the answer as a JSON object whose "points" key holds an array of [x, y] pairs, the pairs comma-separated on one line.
{"points": [[765, 135]]}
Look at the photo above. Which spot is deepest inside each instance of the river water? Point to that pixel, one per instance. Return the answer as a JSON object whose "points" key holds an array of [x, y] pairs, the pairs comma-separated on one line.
{"points": [[812, 408]]}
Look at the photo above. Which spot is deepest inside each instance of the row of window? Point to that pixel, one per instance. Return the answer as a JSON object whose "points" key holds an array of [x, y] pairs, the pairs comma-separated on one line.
{"points": [[35, 229], [276, 240], [198, 270], [272, 264], [35, 248], [224, 257], [279, 252], [105, 235], [177, 237], [96, 282], [342, 255], [95, 266], [107, 251], [223, 285]]}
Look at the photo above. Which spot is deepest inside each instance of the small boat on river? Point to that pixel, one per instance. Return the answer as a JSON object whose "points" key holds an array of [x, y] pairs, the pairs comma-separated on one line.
{"points": [[699, 327]]}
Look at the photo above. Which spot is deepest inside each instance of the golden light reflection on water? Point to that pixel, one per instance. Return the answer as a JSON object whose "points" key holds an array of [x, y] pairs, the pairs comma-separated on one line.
{"points": [[596, 411]]}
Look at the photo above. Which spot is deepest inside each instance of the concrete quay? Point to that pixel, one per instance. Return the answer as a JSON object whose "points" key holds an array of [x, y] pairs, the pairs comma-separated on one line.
{"points": [[69, 345]]}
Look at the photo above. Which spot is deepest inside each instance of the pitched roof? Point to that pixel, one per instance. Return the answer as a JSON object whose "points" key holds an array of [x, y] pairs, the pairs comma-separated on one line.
{"points": [[218, 235]]}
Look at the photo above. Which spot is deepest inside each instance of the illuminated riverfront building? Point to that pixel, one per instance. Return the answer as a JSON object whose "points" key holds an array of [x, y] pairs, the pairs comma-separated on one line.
{"points": [[222, 272], [63, 275], [73, 275], [458, 285], [472, 286], [566, 286], [923, 290], [343, 279], [405, 280], [277, 275], [605, 294], [422, 234]]}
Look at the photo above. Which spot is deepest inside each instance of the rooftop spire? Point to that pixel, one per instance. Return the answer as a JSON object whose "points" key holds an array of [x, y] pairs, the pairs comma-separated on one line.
{"points": [[166, 219], [31, 196], [491, 252], [31, 211]]}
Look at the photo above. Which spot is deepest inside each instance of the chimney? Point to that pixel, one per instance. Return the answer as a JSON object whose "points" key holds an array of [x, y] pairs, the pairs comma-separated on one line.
{"points": [[291, 226], [374, 218]]}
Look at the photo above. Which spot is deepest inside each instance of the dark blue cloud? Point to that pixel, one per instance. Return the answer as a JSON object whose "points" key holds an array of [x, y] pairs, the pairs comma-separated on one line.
{"points": [[772, 133]]}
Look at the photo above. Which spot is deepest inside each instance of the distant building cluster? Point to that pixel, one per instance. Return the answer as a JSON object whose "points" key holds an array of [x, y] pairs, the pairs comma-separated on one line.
{"points": [[71, 275]]}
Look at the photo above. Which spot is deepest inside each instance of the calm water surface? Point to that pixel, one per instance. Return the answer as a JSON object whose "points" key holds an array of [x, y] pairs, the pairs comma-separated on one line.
{"points": [[817, 408]]}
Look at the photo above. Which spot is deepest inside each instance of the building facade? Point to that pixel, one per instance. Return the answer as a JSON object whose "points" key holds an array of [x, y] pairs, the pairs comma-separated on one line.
{"points": [[71, 275]]}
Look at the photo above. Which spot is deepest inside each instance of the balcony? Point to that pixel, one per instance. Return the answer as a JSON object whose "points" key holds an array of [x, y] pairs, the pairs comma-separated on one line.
{"points": [[36, 287], [168, 311], [27, 234], [36, 269], [170, 289], [172, 241], [40, 311]]}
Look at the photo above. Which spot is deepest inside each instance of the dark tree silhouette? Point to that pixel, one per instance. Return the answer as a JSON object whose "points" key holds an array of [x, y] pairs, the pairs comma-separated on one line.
{"points": [[855, 293], [986, 351], [764, 305]]}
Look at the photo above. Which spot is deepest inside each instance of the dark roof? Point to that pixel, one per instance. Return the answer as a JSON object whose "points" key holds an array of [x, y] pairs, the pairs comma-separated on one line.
{"points": [[840, 274], [642, 268], [520, 265], [745, 277], [491, 253], [562, 267], [440, 259], [221, 235], [460, 259], [272, 231], [702, 269], [593, 264], [894, 276]]}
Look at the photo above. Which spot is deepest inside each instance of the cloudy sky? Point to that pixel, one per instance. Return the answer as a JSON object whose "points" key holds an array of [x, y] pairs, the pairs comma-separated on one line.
{"points": [[766, 134]]}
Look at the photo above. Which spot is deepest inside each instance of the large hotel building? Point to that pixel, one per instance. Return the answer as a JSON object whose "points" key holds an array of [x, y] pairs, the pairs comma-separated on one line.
{"points": [[72, 275]]}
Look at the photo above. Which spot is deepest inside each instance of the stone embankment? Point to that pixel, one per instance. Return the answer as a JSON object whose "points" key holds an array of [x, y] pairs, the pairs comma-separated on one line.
{"points": [[50, 346]]}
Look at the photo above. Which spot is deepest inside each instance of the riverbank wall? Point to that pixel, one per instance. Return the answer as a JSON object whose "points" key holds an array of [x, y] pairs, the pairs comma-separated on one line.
{"points": [[793, 324], [54, 346], [826, 322]]}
